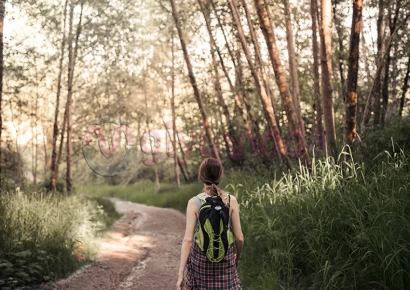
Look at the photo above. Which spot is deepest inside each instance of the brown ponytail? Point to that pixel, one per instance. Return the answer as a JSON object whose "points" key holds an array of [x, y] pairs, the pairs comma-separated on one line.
{"points": [[211, 173]]}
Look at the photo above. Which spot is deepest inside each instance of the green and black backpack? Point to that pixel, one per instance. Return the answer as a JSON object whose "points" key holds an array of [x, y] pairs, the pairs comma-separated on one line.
{"points": [[213, 233]]}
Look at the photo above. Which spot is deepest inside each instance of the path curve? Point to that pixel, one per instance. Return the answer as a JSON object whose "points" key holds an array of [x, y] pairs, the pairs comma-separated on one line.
{"points": [[142, 252]]}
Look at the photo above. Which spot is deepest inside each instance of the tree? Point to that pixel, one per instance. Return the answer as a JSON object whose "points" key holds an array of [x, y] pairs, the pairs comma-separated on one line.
{"points": [[174, 126], [193, 81], [351, 97], [217, 82], [72, 56], [280, 77], [381, 50], [405, 87], [316, 78], [266, 102], [2, 10], [55, 126], [294, 78], [327, 85]]}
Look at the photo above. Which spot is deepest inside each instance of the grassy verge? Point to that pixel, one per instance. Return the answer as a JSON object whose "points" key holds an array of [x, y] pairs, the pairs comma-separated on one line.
{"points": [[333, 227], [145, 192], [46, 236]]}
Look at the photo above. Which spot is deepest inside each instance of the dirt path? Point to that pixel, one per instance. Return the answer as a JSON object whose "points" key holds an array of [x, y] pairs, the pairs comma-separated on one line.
{"points": [[142, 252]]}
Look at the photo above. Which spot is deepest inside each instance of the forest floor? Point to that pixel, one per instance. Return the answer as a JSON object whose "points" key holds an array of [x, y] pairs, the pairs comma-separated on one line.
{"points": [[142, 251]]}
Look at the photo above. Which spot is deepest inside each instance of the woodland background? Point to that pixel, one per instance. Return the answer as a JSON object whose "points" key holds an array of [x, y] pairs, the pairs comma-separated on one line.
{"points": [[287, 94]]}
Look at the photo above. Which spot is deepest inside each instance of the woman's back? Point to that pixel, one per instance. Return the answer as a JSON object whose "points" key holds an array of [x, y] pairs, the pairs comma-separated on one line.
{"points": [[200, 272]]}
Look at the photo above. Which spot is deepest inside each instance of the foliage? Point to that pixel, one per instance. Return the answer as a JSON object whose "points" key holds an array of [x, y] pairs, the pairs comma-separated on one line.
{"points": [[46, 236], [335, 227], [387, 140]]}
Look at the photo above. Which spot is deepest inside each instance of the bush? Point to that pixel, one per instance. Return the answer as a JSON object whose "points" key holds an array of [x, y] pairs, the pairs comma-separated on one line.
{"points": [[45, 236]]}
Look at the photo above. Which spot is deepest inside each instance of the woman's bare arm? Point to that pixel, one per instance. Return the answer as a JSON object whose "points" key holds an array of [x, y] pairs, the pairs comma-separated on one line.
{"points": [[191, 219], [237, 229]]}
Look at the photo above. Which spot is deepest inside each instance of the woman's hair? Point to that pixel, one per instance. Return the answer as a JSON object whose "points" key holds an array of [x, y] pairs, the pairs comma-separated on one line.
{"points": [[211, 172]]}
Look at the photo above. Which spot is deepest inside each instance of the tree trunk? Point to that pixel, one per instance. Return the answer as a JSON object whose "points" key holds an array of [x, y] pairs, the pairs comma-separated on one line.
{"points": [[72, 55], [46, 136], [327, 85], [366, 62], [266, 102], [55, 127], [193, 82], [280, 78], [385, 88], [2, 11], [174, 126], [240, 92], [351, 97], [19, 171], [316, 79], [386, 79], [340, 54], [405, 88], [380, 60], [293, 69], [217, 83], [34, 140], [381, 48]]}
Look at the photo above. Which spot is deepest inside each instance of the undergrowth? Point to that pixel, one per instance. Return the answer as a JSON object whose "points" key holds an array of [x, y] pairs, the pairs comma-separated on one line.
{"points": [[45, 236], [332, 227]]}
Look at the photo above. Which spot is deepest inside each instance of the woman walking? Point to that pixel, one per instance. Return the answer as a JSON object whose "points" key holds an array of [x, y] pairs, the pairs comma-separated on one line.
{"points": [[200, 272]]}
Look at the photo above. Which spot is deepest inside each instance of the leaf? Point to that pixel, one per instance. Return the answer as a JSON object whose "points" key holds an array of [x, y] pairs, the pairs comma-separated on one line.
{"points": [[23, 254]]}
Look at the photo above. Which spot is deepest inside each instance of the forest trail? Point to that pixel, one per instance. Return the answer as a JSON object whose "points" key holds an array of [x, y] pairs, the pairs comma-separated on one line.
{"points": [[142, 251]]}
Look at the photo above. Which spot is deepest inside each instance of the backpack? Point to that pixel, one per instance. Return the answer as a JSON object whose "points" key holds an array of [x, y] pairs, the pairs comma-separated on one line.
{"points": [[213, 233]]}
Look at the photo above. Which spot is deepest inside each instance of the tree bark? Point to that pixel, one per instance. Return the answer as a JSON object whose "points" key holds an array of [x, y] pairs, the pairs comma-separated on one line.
{"points": [[327, 85], [381, 48], [316, 78], [405, 88], [72, 55], [280, 77], [2, 11], [193, 82], [340, 53], [34, 141], [60, 149], [293, 69], [351, 96], [174, 126], [55, 127], [266, 102]]}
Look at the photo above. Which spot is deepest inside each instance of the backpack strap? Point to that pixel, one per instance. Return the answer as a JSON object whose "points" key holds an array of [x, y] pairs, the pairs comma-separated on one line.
{"points": [[198, 203]]}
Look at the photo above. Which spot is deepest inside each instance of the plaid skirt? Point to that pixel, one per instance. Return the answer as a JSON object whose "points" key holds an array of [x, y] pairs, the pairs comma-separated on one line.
{"points": [[201, 274]]}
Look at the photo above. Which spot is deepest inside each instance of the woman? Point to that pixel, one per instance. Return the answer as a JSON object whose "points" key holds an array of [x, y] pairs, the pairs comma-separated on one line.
{"points": [[200, 272]]}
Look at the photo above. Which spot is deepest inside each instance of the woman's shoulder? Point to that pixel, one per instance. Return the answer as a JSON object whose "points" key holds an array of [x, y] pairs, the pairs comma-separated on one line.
{"points": [[226, 195]]}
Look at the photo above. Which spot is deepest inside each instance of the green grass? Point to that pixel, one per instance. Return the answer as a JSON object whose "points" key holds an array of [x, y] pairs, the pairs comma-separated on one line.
{"points": [[46, 236], [334, 227], [145, 192]]}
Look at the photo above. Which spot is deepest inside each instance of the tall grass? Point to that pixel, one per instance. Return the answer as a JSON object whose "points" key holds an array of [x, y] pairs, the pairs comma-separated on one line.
{"points": [[334, 227], [44, 236]]}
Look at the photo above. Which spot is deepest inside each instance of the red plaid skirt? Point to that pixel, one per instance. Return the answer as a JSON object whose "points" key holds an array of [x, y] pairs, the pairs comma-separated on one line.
{"points": [[201, 274]]}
